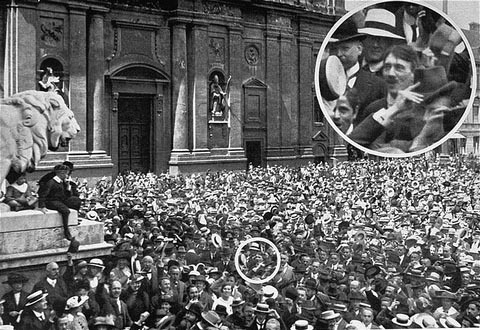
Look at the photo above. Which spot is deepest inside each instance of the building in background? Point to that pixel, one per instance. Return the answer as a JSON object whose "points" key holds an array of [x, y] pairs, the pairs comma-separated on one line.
{"points": [[177, 86], [468, 142]]}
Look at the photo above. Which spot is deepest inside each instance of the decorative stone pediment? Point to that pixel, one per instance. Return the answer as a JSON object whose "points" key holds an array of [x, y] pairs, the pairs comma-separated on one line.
{"points": [[254, 83], [320, 136]]}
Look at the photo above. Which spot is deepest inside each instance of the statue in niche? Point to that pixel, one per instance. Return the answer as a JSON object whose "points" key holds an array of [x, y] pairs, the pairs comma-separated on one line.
{"points": [[50, 83], [219, 99]]}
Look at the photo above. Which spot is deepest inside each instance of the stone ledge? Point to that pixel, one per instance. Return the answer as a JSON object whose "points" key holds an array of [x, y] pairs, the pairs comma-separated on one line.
{"points": [[29, 220], [42, 239], [26, 259]]}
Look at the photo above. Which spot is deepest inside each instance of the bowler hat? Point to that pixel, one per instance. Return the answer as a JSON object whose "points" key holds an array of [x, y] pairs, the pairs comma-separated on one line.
{"points": [[347, 31]]}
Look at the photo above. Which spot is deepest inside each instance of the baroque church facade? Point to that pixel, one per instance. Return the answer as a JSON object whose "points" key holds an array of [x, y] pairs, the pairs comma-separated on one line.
{"points": [[179, 86]]}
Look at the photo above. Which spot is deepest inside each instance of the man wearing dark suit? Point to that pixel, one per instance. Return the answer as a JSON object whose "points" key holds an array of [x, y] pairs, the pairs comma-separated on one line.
{"points": [[210, 257], [35, 315], [14, 300], [285, 276], [347, 45], [389, 122], [53, 284], [226, 264], [120, 309], [54, 195]]}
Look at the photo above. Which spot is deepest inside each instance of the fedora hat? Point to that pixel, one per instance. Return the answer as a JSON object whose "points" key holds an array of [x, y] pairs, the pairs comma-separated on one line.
{"points": [[449, 322], [35, 297], [402, 320], [301, 325], [13, 278], [372, 271], [75, 301], [433, 83], [329, 315], [212, 318], [347, 31], [262, 308], [381, 23]]}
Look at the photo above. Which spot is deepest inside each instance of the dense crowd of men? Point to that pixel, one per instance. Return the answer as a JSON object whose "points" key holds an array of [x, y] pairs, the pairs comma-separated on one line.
{"points": [[362, 245], [407, 77]]}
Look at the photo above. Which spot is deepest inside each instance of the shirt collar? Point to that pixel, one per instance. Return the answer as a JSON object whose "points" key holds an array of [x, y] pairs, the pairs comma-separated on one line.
{"points": [[349, 130], [37, 314], [353, 70], [57, 179]]}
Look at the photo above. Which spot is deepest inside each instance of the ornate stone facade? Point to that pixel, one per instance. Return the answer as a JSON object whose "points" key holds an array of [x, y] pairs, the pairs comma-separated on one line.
{"points": [[138, 75]]}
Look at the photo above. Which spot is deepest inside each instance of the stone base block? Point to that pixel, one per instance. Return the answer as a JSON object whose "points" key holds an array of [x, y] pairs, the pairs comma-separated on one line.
{"points": [[32, 231], [30, 239], [30, 220], [216, 160]]}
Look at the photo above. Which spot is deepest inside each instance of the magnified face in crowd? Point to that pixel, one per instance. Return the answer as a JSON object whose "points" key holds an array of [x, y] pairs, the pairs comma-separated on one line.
{"points": [[398, 74], [374, 48], [348, 52], [344, 114]]}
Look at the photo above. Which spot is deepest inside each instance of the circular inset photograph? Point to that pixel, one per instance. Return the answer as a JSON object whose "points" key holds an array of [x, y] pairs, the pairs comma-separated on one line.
{"points": [[257, 260], [395, 78]]}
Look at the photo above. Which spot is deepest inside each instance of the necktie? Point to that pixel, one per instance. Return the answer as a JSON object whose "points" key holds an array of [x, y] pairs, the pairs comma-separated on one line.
{"points": [[414, 33]]}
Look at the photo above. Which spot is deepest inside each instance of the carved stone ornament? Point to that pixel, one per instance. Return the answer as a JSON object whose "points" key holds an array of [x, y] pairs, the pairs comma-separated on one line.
{"points": [[251, 54], [52, 32], [217, 9], [216, 50]]}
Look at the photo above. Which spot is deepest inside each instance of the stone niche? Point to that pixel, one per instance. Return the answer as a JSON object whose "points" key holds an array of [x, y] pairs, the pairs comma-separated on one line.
{"points": [[30, 239]]}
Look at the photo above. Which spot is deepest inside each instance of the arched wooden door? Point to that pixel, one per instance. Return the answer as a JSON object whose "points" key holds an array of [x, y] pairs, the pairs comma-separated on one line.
{"points": [[135, 132]]}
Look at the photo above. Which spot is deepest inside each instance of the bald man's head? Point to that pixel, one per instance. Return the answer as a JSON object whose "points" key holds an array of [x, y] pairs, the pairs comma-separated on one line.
{"points": [[52, 270]]}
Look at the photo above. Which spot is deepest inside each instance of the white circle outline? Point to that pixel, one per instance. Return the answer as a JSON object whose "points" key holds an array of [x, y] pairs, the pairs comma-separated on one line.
{"points": [[473, 83], [239, 250]]}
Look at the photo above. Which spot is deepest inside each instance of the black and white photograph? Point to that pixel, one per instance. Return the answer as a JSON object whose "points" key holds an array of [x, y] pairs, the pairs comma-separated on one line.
{"points": [[396, 78], [239, 164]]}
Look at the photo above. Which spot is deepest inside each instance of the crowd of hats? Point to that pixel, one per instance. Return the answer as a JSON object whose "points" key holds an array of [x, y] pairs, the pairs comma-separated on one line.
{"points": [[428, 207]]}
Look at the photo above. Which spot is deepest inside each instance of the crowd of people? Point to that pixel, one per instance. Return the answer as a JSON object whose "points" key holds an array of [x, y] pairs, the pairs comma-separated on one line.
{"points": [[407, 75], [362, 245]]}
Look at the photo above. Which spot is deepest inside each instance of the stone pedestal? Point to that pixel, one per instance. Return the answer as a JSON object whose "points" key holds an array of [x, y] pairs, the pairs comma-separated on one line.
{"points": [[30, 239]]}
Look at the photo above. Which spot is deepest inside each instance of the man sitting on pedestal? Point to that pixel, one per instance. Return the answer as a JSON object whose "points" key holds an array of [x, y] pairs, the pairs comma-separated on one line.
{"points": [[55, 195]]}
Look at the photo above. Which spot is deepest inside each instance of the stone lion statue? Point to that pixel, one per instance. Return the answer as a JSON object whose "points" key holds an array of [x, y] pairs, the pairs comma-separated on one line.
{"points": [[31, 123]]}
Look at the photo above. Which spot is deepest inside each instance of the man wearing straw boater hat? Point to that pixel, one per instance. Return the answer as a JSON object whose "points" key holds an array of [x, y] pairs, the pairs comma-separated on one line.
{"points": [[347, 45], [35, 316]]}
